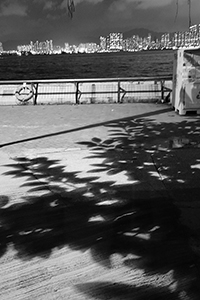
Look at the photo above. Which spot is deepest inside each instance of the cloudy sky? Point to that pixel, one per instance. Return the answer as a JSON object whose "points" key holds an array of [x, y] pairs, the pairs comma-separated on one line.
{"points": [[24, 20]]}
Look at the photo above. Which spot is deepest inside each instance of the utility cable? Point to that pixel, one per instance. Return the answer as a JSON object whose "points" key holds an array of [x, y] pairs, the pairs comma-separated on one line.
{"points": [[176, 15]]}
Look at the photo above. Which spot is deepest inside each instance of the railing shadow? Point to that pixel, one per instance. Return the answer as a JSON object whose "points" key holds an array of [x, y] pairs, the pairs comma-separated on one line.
{"points": [[140, 220], [90, 126]]}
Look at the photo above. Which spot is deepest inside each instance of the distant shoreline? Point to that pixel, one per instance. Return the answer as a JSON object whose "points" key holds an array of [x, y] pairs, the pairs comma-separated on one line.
{"points": [[85, 53]]}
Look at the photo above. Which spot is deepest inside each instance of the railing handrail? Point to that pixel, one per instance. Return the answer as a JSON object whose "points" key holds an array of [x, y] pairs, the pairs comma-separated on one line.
{"points": [[158, 81], [154, 78]]}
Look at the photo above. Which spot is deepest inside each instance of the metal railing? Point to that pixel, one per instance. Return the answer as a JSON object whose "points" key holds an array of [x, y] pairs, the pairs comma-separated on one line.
{"points": [[74, 87]]}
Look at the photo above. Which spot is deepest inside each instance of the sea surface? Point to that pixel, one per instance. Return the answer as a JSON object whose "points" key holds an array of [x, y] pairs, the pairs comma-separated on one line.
{"points": [[79, 66]]}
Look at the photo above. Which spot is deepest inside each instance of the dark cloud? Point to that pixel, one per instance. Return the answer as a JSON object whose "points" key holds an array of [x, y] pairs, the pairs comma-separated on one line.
{"points": [[25, 20], [11, 8]]}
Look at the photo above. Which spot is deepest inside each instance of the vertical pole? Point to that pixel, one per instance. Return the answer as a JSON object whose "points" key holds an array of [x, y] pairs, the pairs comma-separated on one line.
{"points": [[93, 93], [118, 92], [36, 94], [162, 89], [77, 92]]}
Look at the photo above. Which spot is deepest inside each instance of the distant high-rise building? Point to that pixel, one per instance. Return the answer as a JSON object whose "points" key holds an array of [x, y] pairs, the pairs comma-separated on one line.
{"points": [[194, 34], [165, 41], [103, 43], [67, 48], [149, 38], [82, 48], [51, 45], [115, 41], [31, 46], [37, 46], [1, 47], [44, 47]]}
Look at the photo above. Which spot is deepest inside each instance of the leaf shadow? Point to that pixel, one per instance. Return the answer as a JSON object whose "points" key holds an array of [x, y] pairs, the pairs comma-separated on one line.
{"points": [[141, 218]]}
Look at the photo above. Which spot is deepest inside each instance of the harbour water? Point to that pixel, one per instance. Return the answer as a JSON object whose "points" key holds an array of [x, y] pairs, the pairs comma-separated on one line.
{"points": [[79, 66]]}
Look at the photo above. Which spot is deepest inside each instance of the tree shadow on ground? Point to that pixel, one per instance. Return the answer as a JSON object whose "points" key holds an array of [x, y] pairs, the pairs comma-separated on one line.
{"points": [[117, 291], [140, 220]]}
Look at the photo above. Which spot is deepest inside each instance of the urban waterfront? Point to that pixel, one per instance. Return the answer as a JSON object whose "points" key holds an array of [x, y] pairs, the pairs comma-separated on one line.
{"points": [[116, 41], [93, 65]]}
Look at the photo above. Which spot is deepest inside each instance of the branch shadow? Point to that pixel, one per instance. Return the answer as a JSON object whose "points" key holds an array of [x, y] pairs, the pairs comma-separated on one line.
{"points": [[108, 290], [141, 220]]}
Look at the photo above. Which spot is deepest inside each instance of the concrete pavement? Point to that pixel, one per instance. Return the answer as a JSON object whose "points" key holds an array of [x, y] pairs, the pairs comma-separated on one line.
{"points": [[99, 201]]}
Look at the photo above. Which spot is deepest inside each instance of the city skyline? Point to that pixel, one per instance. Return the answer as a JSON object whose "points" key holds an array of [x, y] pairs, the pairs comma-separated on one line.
{"points": [[116, 42], [23, 20]]}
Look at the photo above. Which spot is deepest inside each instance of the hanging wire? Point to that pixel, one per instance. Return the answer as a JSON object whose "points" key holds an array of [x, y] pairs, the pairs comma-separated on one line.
{"points": [[190, 21], [176, 15], [177, 7], [71, 8]]}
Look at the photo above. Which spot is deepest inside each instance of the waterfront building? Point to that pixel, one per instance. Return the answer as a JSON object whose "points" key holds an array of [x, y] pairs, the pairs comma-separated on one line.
{"points": [[1, 47], [165, 41], [67, 48], [24, 48], [31, 46], [180, 39], [115, 41], [70, 48], [149, 38], [194, 31], [81, 48], [146, 42], [37, 46], [57, 50], [87, 48], [44, 47], [127, 44], [183, 38], [91, 47], [133, 43], [51, 46], [103, 44], [175, 40], [187, 39]]}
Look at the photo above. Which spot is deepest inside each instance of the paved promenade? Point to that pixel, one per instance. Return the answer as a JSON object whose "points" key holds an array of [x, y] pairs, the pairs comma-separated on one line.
{"points": [[99, 202]]}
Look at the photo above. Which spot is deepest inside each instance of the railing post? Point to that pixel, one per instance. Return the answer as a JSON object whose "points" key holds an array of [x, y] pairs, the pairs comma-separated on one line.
{"points": [[36, 93], [162, 89], [120, 88], [77, 92], [118, 92]]}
